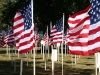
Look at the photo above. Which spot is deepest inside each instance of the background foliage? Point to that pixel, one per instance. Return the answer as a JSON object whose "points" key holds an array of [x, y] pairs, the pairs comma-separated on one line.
{"points": [[44, 11]]}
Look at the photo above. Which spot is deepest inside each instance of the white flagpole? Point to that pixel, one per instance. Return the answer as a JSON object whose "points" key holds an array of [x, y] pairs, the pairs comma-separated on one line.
{"points": [[62, 43], [34, 63], [45, 57], [52, 63], [65, 50], [34, 48], [48, 41], [21, 65], [52, 51], [14, 61], [58, 52], [46, 48], [7, 49], [12, 57], [95, 63], [41, 48], [27, 59], [43, 51]]}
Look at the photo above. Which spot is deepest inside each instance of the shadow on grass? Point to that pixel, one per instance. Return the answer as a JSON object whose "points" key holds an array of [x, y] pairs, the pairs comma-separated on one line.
{"points": [[6, 68]]}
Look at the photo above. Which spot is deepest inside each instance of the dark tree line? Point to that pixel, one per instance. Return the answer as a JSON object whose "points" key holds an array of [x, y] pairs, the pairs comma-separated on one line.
{"points": [[44, 11]]}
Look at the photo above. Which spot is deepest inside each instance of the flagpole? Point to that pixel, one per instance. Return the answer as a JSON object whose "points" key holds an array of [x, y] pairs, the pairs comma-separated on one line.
{"points": [[45, 56], [47, 40], [52, 51], [14, 61], [43, 50], [96, 64], [65, 50], [46, 48], [21, 64], [62, 42], [27, 59], [34, 48]]}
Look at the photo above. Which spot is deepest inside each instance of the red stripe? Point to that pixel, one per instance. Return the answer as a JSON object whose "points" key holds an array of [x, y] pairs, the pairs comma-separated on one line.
{"points": [[81, 12], [27, 49]]}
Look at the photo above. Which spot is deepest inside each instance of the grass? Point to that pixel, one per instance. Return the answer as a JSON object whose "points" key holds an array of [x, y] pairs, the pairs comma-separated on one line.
{"points": [[85, 65]]}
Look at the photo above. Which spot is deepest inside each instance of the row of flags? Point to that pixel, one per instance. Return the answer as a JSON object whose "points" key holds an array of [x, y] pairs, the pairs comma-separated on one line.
{"points": [[84, 30], [82, 36]]}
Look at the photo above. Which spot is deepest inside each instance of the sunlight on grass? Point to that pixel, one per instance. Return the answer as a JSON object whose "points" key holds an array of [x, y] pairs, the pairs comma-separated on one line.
{"points": [[85, 65]]}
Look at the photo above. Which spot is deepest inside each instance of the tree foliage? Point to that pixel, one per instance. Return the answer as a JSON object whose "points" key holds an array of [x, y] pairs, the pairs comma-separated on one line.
{"points": [[44, 11]]}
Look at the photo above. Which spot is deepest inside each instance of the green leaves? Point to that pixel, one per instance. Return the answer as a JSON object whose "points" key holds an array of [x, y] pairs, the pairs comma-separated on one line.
{"points": [[44, 10]]}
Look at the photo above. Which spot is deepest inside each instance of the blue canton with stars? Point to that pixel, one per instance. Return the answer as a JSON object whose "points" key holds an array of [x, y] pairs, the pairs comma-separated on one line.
{"points": [[26, 11], [59, 25], [94, 12]]}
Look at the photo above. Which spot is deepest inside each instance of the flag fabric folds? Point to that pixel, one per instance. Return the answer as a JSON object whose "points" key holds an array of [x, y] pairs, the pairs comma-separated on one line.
{"points": [[56, 33], [65, 37], [46, 38], [1, 39], [24, 29], [37, 37], [84, 30], [9, 38], [78, 32], [0, 36]]}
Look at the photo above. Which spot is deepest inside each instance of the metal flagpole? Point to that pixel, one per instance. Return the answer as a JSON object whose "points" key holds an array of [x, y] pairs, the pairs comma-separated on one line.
{"points": [[27, 59], [21, 65], [52, 51], [14, 60], [95, 63], [34, 48], [62, 43], [47, 41], [43, 50], [65, 50]]}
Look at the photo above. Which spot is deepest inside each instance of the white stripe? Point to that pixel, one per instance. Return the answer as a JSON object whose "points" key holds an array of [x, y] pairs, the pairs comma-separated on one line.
{"points": [[18, 22], [78, 48], [80, 16]]}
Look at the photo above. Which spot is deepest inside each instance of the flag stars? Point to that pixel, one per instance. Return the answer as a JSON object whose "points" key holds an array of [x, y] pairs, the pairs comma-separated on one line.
{"points": [[27, 15], [94, 20], [97, 15], [97, 8], [97, 2]]}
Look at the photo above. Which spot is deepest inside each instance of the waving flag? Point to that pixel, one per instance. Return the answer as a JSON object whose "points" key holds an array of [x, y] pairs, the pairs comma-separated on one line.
{"points": [[56, 32], [46, 38], [78, 32], [84, 30], [37, 37], [1, 40], [0, 36], [9, 38], [65, 37], [24, 29]]}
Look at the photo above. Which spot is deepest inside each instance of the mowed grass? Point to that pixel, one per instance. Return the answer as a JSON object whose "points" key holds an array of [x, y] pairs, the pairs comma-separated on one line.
{"points": [[85, 65]]}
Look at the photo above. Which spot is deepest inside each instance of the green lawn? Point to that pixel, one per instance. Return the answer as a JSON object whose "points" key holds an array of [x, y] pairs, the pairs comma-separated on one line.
{"points": [[85, 65]]}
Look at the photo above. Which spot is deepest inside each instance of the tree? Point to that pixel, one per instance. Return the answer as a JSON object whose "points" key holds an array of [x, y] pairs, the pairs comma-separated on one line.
{"points": [[44, 11]]}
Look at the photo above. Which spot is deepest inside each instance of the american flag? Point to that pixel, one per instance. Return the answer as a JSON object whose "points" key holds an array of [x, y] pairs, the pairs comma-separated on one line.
{"points": [[65, 37], [9, 38], [1, 40], [0, 36], [24, 29], [37, 37], [78, 32], [56, 32], [46, 38], [84, 30]]}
